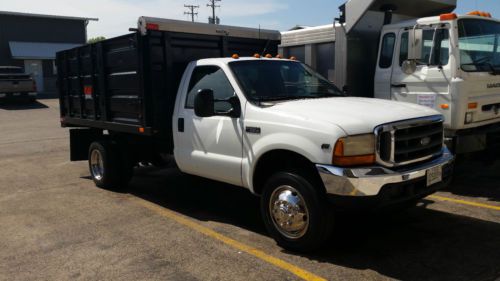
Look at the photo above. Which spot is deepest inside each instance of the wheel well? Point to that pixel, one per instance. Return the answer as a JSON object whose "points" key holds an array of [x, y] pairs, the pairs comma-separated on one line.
{"points": [[283, 160]]}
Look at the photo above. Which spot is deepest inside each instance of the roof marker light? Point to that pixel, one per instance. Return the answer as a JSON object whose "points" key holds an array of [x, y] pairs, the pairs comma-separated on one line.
{"points": [[293, 58], [278, 56], [257, 56], [269, 56], [235, 56], [450, 16], [479, 14]]}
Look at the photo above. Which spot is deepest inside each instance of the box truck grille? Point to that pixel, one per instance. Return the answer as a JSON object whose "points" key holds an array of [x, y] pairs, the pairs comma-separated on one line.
{"points": [[409, 142]]}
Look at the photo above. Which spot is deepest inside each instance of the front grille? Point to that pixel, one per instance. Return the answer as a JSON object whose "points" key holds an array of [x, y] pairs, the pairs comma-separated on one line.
{"points": [[410, 141]]}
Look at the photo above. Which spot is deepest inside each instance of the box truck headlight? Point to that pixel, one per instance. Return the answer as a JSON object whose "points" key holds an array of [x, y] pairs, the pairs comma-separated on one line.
{"points": [[355, 151], [469, 117]]}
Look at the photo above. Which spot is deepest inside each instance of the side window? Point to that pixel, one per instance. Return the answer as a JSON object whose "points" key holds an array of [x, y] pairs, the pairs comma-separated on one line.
{"points": [[213, 78], [428, 38], [438, 49], [441, 52], [387, 50], [403, 49]]}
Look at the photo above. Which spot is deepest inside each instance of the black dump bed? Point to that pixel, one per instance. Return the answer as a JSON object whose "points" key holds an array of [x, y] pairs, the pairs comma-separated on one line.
{"points": [[129, 84]]}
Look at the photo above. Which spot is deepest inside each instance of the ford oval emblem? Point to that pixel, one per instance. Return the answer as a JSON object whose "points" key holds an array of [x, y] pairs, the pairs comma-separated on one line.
{"points": [[425, 141]]}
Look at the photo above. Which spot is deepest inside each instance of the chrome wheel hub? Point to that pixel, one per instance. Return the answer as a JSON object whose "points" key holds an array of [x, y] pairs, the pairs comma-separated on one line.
{"points": [[289, 212], [96, 165]]}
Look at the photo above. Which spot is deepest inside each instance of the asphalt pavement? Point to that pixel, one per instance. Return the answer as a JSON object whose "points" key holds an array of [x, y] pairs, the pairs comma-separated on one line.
{"points": [[56, 225]]}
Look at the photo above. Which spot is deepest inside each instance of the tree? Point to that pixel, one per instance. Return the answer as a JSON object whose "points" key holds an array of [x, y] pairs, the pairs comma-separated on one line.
{"points": [[96, 39]]}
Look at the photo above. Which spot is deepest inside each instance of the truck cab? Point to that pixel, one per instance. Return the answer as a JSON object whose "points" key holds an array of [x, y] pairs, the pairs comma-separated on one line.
{"points": [[450, 63]]}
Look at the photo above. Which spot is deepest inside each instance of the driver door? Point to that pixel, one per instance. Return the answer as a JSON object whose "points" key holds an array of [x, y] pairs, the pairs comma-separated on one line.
{"points": [[210, 147]]}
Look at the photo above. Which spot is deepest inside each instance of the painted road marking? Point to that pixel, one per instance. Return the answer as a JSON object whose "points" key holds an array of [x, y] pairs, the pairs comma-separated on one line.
{"points": [[303, 274], [464, 202]]}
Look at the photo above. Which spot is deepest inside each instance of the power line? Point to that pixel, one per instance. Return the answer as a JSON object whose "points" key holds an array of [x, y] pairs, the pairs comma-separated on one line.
{"points": [[191, 11], [212, 4]]}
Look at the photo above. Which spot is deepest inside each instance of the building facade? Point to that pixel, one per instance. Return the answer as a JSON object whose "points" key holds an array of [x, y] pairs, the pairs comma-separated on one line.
{"points": [[31, 41]]}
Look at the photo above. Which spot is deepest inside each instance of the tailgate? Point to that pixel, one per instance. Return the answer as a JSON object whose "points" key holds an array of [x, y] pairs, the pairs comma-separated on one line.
{"points": [[16, 84]]}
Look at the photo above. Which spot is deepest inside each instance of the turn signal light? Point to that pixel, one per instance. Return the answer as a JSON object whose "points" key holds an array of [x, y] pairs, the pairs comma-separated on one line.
{"points": [[450, 16], [142, 130], [445, 106]]}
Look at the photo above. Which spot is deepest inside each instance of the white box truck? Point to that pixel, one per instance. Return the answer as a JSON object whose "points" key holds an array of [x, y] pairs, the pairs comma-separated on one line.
{"points": [[414, 51]]}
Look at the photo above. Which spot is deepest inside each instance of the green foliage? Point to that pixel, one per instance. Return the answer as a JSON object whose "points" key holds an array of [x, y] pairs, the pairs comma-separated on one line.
{"points": [[96, 39]]}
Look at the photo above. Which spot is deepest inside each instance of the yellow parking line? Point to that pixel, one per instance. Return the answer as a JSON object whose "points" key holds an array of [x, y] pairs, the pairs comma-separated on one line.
{"points": [[464, 202], [303, 274]]}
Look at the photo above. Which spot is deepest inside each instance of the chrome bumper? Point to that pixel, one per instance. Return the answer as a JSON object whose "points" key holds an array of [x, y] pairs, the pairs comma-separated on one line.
{"points": [[368, 181]]}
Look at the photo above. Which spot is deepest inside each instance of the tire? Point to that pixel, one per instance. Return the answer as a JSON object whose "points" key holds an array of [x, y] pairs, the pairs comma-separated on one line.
{"points": [[312, 221], [107, 168]]}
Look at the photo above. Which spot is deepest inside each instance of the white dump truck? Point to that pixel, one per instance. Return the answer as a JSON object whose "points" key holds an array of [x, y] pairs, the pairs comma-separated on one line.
{"points": [[415, 51]]}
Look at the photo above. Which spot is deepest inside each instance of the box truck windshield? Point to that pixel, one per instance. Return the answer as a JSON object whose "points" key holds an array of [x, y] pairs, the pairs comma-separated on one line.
{"points": [[281, 80], [479, 43]]}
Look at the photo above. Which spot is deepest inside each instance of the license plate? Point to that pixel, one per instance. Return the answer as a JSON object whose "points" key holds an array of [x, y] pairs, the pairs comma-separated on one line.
{"points": [[434, 175]]}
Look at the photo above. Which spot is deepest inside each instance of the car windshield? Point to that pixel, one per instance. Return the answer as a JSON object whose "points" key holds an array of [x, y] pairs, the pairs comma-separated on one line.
{"points": [[273, 80], [479, 45]]}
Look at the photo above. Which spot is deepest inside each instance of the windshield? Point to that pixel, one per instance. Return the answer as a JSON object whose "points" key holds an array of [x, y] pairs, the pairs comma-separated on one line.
{"points": [[266, 80], [479, 45]]}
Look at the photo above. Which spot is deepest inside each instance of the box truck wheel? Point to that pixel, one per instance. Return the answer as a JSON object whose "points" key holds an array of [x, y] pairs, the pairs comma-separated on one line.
{"points": [[296, 213], [106, 166]]}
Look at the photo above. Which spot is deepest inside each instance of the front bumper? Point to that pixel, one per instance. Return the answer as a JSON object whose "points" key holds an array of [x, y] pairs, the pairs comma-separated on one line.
{"points": [[369, 181]]}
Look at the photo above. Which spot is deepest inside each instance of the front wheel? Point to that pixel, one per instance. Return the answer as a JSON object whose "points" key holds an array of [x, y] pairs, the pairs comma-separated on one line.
{"points": [[296, 213]]}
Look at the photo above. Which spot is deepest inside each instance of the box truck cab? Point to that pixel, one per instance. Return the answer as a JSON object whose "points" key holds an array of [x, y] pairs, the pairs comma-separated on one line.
{"points": [[450, 63], [414, 51]]}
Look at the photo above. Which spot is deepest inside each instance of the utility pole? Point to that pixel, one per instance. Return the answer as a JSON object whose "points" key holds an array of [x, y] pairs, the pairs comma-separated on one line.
{"points": [[191, 11], [212, 4]]}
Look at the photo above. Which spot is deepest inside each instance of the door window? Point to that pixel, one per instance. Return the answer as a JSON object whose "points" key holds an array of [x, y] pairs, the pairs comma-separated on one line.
{"points": [[387, 50], [213, 78], [435, 43]]}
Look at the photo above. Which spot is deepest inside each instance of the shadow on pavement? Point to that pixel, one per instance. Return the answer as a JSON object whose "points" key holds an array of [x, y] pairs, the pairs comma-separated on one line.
{"points": [[22, 105], [420, 244], [475, 178]]}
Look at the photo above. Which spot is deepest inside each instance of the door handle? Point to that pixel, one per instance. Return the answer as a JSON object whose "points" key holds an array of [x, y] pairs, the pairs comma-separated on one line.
{"points": [[398, 85], [180, 125]]}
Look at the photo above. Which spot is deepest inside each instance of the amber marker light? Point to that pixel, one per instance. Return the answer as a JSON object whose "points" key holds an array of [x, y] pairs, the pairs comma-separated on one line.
{"points": [[450, 16], [472, 105], [445, 106], [257, 56], [269, 56], [142, 130], [235, 56]]}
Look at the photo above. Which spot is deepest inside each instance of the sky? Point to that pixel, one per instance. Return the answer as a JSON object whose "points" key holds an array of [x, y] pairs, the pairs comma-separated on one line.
{"points": [[117, 16]]}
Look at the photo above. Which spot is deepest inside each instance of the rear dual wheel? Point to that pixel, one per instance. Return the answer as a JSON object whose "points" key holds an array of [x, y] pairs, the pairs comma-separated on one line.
{"points": [[108, 169]]}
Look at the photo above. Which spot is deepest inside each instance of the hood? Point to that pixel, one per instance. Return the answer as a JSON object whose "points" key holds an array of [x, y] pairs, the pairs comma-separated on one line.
{"points": [[354, 115]]}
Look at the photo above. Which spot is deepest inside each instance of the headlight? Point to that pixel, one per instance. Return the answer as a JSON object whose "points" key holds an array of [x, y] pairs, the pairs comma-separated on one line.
{"points": [[469, 117], [355, 151]]}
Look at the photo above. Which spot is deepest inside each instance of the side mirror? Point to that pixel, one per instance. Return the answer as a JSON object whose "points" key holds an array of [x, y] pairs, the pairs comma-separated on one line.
{"points": [[415, 44], [204, 103], [409, 67]]}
